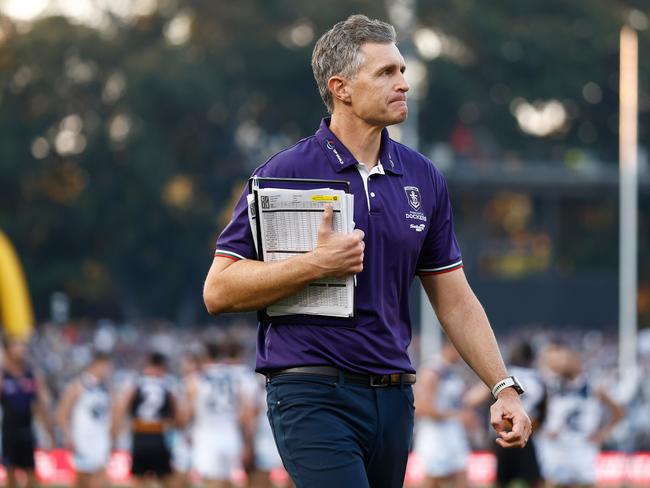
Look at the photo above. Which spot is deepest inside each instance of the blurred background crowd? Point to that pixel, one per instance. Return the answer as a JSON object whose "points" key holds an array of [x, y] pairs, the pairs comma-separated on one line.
{"points": [[61, 352]]}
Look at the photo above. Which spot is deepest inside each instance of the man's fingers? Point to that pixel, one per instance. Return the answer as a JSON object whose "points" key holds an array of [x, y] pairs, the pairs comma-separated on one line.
{"points": [[509, 445], [510, 436], [503, 424], [511, 439], [326, 221], [521, 427], [516, 435], [511, 424]]}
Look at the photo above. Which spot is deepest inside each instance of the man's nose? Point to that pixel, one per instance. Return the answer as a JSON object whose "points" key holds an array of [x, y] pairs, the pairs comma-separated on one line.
{"points": [[403, 85]]}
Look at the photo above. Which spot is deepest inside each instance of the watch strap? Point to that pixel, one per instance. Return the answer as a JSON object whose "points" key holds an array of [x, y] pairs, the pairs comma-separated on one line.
{"points": [[507, 382]]}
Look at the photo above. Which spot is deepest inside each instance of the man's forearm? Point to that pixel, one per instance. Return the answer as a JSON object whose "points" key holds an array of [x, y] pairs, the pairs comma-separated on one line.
{"points": [[468, 328], [46, 421], [248, 285]]}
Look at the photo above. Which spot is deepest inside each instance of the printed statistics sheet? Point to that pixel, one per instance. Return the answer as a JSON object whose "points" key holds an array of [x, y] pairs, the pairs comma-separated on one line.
{"points": [[289, 221]]}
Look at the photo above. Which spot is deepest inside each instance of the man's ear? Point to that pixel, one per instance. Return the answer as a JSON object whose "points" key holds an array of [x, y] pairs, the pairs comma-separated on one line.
{"points": [[338, 86]]}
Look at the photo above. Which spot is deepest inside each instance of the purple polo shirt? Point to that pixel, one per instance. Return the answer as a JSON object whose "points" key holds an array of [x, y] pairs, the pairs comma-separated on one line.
{"points": [[408, 230]]}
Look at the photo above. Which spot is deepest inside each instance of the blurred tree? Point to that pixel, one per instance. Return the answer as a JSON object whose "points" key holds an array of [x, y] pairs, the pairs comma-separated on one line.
{"points": [[120, 144], [492, 59]]}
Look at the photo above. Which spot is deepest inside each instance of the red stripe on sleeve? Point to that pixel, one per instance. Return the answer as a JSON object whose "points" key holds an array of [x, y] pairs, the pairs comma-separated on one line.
{"points": [[443, 271], [221, 255]]}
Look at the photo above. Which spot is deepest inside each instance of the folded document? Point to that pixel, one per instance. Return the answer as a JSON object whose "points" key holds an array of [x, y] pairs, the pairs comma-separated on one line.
{"points": [[285, 223]]}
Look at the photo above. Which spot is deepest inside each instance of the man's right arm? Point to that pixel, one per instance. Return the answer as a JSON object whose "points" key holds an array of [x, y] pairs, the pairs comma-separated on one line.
{"points": [[63, 411], [120, 409], [247, 285]]}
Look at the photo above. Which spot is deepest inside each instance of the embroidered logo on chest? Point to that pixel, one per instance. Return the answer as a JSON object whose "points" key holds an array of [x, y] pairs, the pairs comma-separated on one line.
{"points": [[413, 197]]}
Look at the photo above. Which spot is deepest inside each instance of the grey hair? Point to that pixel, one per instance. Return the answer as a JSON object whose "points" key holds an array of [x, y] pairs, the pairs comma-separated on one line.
{"points": [[338, 51]]}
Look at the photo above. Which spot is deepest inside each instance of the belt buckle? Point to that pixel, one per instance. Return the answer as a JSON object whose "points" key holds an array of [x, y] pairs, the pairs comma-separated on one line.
{"points": [[379, 380]]}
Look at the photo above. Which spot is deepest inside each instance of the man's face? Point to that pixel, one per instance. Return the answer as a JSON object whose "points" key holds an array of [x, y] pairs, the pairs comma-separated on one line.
{"points": [[378, 91], [17, 351], [572, 364], [551, 359], [103, 369], [188, 365]]}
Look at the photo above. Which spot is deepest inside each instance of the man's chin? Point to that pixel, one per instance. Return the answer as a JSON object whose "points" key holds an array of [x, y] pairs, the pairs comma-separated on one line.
{"points": [[386, 119], [398, 118]]}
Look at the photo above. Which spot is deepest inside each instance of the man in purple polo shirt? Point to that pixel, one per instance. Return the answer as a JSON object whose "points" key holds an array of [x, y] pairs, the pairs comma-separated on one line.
{"points": [[339, 390]]}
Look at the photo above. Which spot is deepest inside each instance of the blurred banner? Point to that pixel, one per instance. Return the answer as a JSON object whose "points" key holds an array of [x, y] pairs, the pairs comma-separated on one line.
{"points": [[614, 469], [16, 313]]}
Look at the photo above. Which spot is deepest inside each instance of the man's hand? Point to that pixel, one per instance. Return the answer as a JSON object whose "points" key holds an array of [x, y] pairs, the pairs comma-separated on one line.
{"points": [[338, 254], [598, 438], [509, 420]]}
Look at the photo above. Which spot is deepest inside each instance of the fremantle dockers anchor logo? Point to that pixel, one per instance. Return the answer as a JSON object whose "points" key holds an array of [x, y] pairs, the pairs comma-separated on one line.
{"points": [[413, 197]]}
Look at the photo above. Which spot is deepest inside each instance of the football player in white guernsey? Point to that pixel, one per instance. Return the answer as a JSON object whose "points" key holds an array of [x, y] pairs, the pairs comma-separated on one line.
{"points": [[440, 435], [266, 453], [84, 418], [235, 356], [219, 408], [574, 428]]}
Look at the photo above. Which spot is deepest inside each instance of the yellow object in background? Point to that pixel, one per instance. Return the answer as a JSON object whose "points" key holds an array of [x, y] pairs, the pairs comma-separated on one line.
{"points": [[16, 314]]}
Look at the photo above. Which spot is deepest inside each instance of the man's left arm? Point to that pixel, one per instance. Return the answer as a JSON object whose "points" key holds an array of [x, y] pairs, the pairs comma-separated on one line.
{"points": [[467, 326], [617, 413], [43, 404]]}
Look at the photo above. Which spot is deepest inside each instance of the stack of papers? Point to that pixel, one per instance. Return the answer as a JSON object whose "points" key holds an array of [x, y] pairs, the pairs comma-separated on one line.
{"points": [[285, 223]]}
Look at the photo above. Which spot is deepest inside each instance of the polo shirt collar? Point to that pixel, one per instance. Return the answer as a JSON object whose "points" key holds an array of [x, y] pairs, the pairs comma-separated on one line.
{"points": [[340, 157]]}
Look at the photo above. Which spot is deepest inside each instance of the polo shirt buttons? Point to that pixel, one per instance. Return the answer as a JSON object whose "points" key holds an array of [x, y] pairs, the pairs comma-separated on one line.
{"points": [[372, 193]]}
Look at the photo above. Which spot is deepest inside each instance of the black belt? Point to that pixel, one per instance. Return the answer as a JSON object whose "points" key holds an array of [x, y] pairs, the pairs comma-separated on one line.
{"points": [[374, 380]]}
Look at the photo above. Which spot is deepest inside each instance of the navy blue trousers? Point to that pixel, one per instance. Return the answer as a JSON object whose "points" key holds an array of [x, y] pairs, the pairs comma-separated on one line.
{"points": [[333, 434]]}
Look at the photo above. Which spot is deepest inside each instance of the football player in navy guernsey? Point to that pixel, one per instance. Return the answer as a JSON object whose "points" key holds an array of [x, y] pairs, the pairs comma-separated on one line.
{"points": [[519, 465], [152, 406], [357, 425], [23, 393]]}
